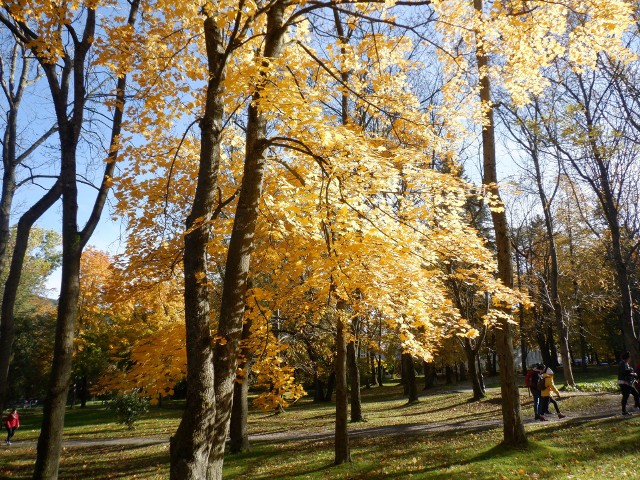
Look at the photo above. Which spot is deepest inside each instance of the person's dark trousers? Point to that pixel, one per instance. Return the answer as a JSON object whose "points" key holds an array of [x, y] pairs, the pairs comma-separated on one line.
{"points": [[536, 403], [11, 430], [544, 405], [555, 405], [626, 391]]}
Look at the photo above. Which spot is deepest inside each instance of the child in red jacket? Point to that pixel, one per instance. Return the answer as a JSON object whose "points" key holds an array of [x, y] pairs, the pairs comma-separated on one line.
{"points": [[12, 422]]}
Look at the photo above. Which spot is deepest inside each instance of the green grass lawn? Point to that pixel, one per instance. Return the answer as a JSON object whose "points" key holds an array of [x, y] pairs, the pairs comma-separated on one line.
{"points": [[459, 440]]}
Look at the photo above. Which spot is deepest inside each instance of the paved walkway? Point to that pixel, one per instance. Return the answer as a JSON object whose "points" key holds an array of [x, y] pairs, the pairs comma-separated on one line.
{"points": [[608, 409]]}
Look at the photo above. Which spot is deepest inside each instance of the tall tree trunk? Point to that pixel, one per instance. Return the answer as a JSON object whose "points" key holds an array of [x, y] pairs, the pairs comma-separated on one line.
{"points": [[409, 377], [552, 346], [610, 209], [13, 86], [523, 338], [448, 374], [318, 393], [84, 387], [554, 273], [583, 341], [372, 360], [50, 439], [240, 248], [8, 180], [462, 372], [72, 70], [354, 377], [238, 433], [7, 318], [404, 375], [513, 428], [189, 447], [474, 374], [429, 369], [341, 450], [541, 338], [480, 376], [603, 187], [331, 385]]}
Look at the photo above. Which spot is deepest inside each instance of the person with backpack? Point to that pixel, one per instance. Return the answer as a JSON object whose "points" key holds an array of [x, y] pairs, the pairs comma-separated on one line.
{"points": [[547, 387], [12, 422], [626, 379], [531, 381]]}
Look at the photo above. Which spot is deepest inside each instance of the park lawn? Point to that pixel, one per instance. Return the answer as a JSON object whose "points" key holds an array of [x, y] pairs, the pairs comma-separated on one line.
{"points": [[602, 450], [580, 449]]}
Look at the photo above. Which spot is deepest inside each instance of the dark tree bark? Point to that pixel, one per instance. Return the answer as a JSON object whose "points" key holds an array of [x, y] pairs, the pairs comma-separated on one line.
{"points": [[318, 384], [73, 72], [524, 351], [513, 428], [7, 318], [403, 376], [14, 82], [318, 394], [238, 432], [354, 377], [430, 377], [478, 388], [462, 372], [480, 376], [342, 453], [331, 385], [372, 360], [84, 391], [448, 374], [472, 352], [13, 87], [554, 272], [552, 346], [409, 377], [541, 331], [240, 248], [67, 87]]}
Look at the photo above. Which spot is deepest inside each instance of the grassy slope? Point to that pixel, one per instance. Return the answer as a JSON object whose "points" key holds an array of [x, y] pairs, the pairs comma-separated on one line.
{"points": [[603, 448]]}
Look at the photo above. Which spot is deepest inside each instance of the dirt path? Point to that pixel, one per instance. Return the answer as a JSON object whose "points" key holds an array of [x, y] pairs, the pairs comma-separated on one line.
{"points": [[608, 408]]}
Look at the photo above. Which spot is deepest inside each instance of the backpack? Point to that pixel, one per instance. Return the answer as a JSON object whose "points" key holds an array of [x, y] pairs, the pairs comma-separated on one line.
{"points": [[528, 379], [541, 384]]}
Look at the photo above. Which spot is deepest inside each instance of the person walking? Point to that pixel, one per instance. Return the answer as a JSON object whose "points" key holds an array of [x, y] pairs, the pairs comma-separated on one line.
{"points": [[531, 380], [545, 394], [626, 378], [12, 422]]}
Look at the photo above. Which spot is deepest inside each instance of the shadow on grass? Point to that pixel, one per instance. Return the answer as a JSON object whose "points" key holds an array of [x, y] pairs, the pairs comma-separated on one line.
{"points": [[98, 463]]}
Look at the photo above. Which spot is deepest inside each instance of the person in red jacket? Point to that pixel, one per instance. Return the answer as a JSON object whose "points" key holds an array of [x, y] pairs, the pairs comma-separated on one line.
{"points": [[12, 422]]}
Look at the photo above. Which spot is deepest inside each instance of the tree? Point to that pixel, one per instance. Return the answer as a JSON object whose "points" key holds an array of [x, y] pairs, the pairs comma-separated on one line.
{"points": [[494, 49], [67, 81], [529, 140], [16, 77], [593, 147], [15, 81], [513, 428], [34, 317]]}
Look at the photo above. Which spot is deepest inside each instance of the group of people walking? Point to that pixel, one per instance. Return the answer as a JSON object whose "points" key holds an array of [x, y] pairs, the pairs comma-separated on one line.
{"points": [[539, 379]]}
